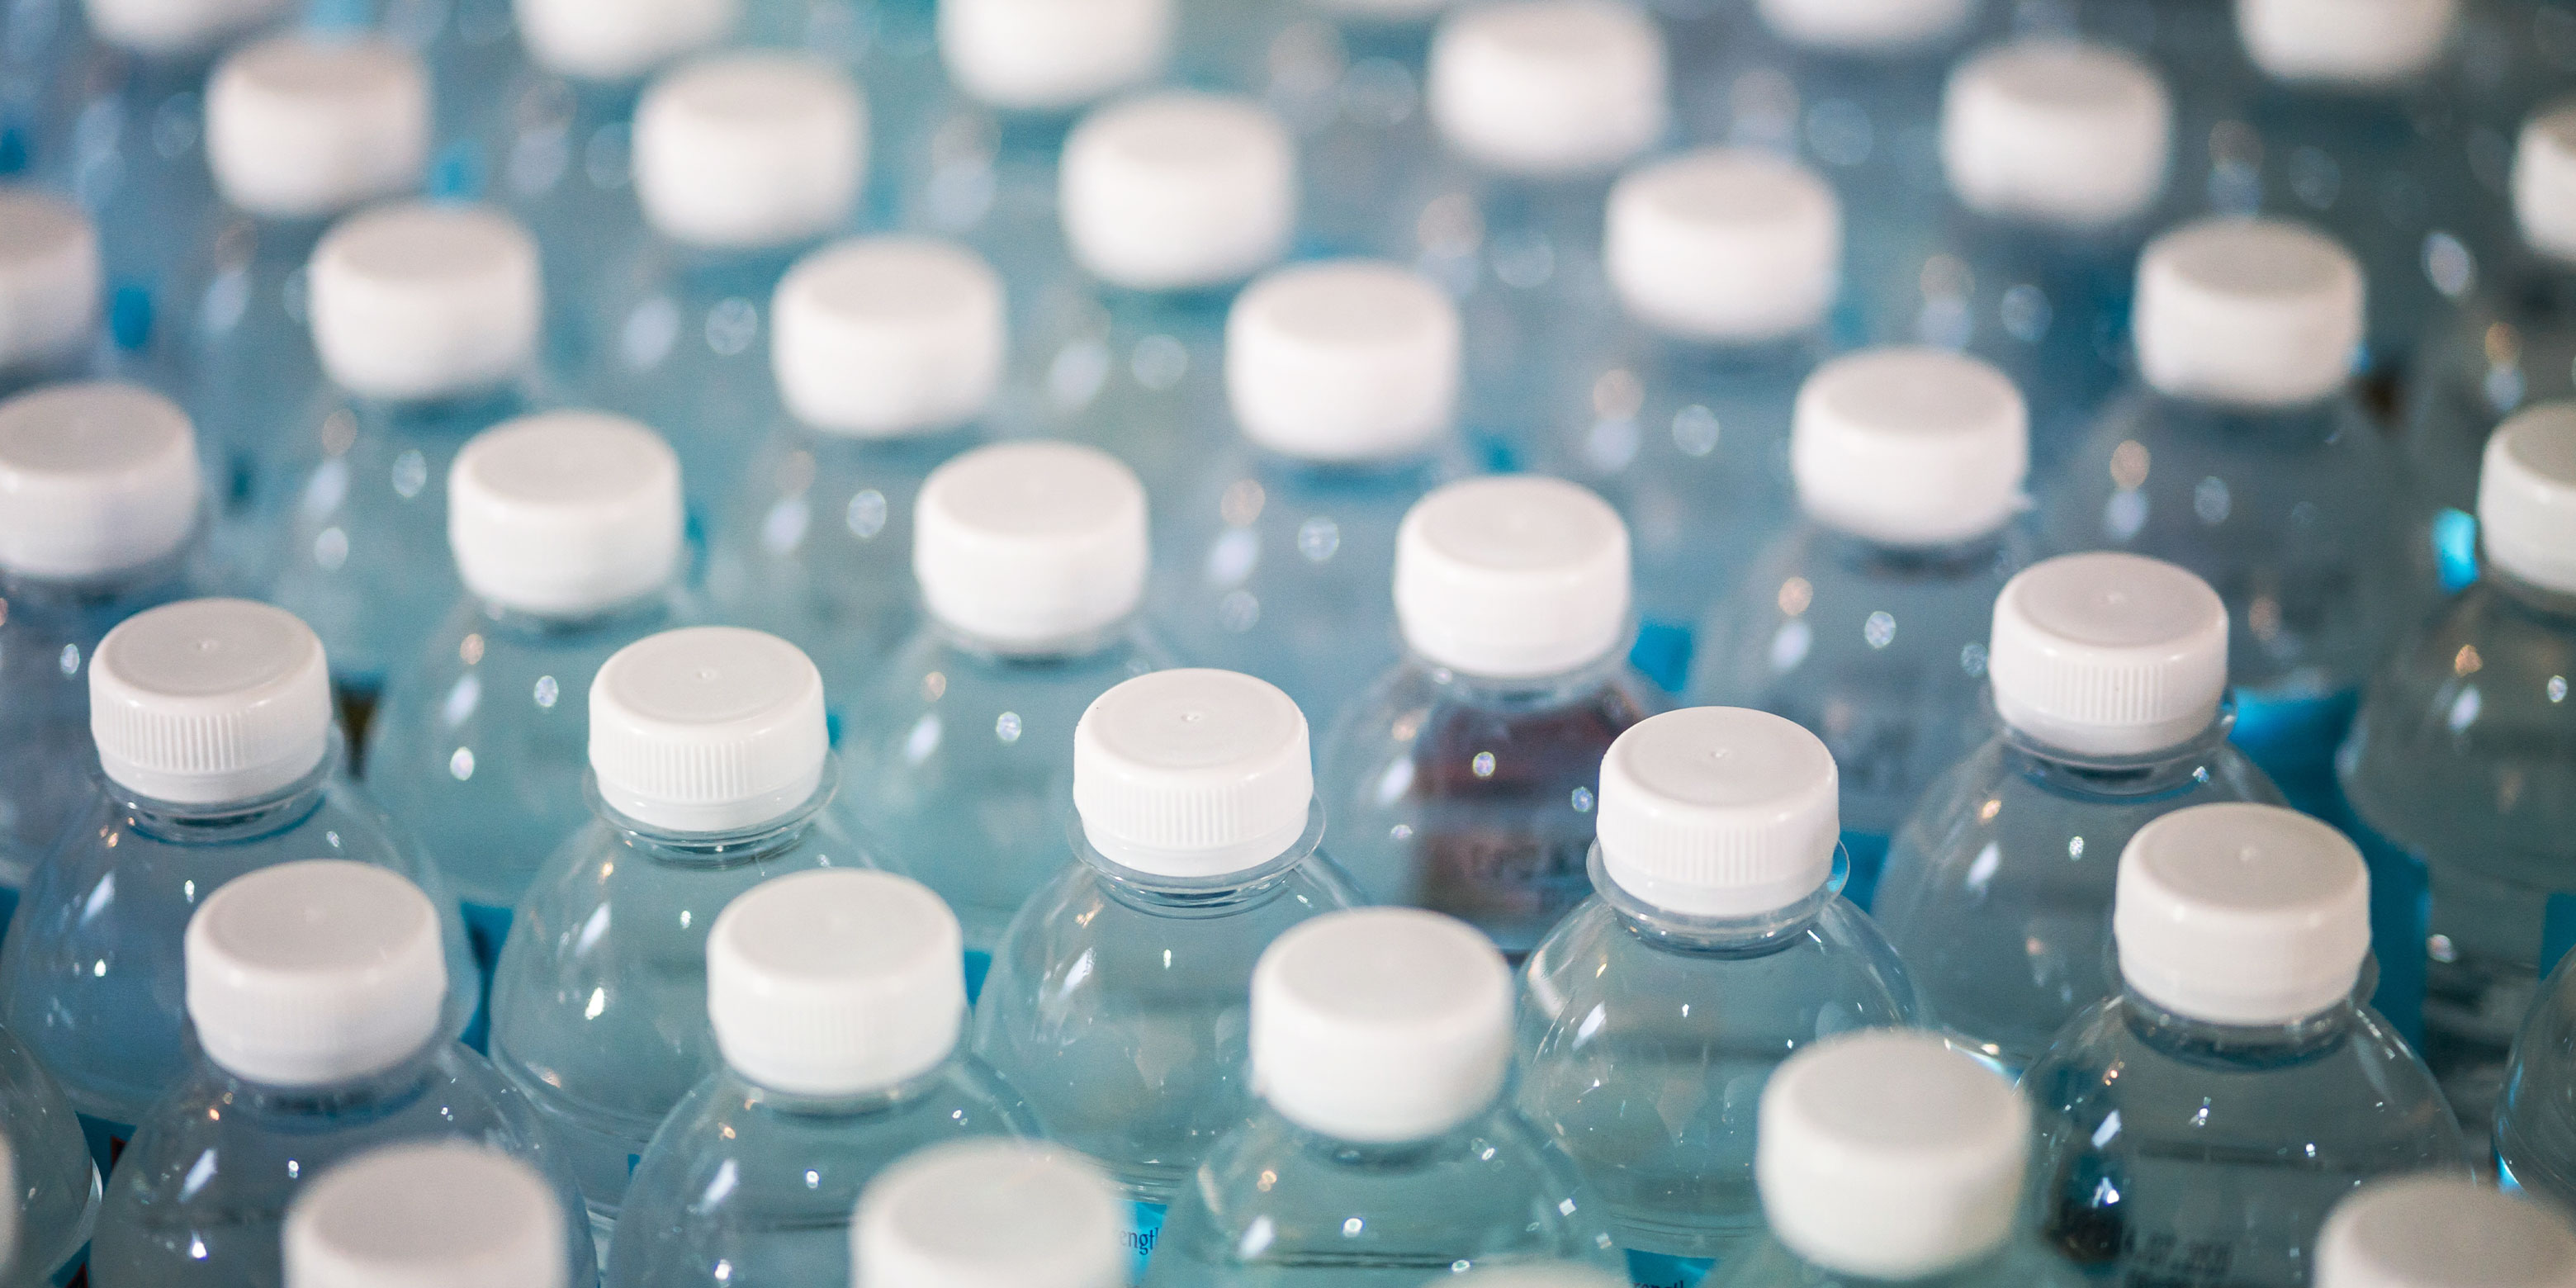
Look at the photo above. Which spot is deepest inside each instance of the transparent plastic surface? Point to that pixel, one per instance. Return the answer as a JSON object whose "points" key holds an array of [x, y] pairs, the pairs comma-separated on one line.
{"points": [[2535, 1128], [1138, 374], [129, 148], [1352, 83], [2022, 1263], [2511, 345], [557, 153], [58, 1184]]}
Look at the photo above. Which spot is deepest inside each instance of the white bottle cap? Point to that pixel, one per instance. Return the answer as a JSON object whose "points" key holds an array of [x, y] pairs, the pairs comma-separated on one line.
{"points": [[50, 278], [707, 729], [2347, 42], [1867, 27], [835, 982], [882, 336], [1192, 773], [1910, 446], [1725, 245], [419, 301], [564, 514], [2544, 182], [1381, 1024], [1178, 191], [209, 701], [749, 151], [1883, 1154], [95, 479], [1548, 88], [1718, 812], [2108, 654], [2256, 312], [434, 1214], [298, 127], [2241, 914], [1052, 55], [169, 28], [2433, 1230], [618, 40], [2527, 497], [1352, 360], [2056, 132], [1512, 578], [315, 972], [1030, 546], [990, 1213]]}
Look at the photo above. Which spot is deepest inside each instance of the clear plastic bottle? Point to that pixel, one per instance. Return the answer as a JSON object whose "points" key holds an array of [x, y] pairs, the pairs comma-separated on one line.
{"points": [[2197, 1128], [2535, 1125], [440, 1214], [52, 1182], [840, 1010], [1031, 561], [989, 1212], [565, 527], [52, 284], [315, 993], [1888, 1158], [1713, 948], [1867, 621], [1343, 382], [2109, 676], [2418, 1231], [1348, 75], [90, 981], [1464, 781], [1118, 996], [426, 319], [1386, 1149], [709, 775]]}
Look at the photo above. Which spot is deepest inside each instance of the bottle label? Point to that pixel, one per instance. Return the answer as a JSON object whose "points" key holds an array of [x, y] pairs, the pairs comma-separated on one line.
{"points": [[1143, 1232], [1656, 1270]]}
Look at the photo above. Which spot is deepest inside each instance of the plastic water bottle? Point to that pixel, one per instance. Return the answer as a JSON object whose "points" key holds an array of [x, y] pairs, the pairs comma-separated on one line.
{"points": [[1889, 1158], [1724, 263], [2253, 1091], [426, 319], [1867, 622], [709, 775], [315, 993], [888, 353], [430, 1215], [2109, 675], [52, 285], [1031, 561], [102, 485], [1714, 947], [1118, 995], [839, 1007], [1385, 1150], [2535, 1123], [1342, 379], [213, 724], [52, 1182], [565, 527], [989, 1212], [1348, 76], [1465, 781], [2415, 1231], [2462, 763]]}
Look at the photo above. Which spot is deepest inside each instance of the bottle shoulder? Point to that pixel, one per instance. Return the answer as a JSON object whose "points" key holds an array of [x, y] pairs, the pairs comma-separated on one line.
{"points": [[728, 1120], [1597, 975], [1307, 1186], [2021, 1263], [1421, 713]]}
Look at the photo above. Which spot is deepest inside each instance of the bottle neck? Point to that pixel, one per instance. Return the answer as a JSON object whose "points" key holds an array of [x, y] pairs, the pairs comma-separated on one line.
{"points": [[368, 1095], [2557, 605], [2181, 767], [1533, 693], [633, 616], [1071, 650], [2237, 1044], [1974, 557], [1755, 935], [1218, 895], [715, 850], [888, 1098], [152, 581], [230, 822]]}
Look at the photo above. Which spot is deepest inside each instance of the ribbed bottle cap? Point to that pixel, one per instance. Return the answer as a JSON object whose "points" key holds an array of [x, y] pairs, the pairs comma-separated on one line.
{"points": [[50, 278], [2544, 182], [169, 28], [1718, 812], [1028, 546], [564, 514], [617, 40], [2348, 42], [1051, 55], [299, 127], [440, 1214], [1351, 360], [315, 972], [1178, 191], [1381, 1024], [1869, 27], [1192, 773], [2439, 1231], [835, 982], [2108, 654], [1512, 577], [419, 301], [990, 1214], [2056, 132], [2256, 312], [1725, 245], [2241, 914], [1910, 447], [748, 151], [1548, 87], [94, 479], [1883, 1154], [208, 701], [707, 729], [882, 336], [2527, 497]]}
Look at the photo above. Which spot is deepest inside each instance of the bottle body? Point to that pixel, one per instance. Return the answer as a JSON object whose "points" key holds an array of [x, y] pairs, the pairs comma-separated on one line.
{"points": [[2535, 1126], [1137, 374], [2510, 346], [131, 152], [1353, 85], [2022, 1263], [58, 1185]]}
